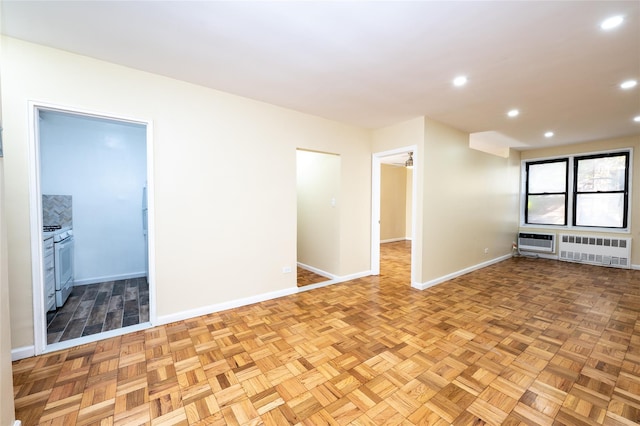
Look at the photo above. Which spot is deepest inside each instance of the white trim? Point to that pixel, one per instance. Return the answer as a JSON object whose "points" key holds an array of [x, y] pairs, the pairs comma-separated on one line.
{"points": [[17, 423], [636, 267], [440, 280], [23, 352], [375, 206], [106, 278], [237, 303], [206, 310], [35, 216], [317, 271]]}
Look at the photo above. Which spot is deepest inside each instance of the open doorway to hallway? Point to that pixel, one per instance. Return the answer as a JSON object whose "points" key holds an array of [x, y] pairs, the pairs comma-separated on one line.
{"points": [[393, 212]]}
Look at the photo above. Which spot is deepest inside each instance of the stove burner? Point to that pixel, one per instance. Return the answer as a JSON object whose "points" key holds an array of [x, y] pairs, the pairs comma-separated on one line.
{"points": [[50, 228]]}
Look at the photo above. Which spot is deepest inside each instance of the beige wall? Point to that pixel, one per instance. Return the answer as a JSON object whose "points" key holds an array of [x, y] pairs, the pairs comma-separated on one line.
{"points": [[408, 220], [597, 146], [7, 415], [393, 202], [318, 192], [470, 203], [214, 242]]}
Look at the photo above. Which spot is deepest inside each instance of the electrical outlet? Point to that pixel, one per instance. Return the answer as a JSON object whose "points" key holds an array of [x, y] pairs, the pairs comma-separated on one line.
{"points": [[286, 269], [486, 250]]}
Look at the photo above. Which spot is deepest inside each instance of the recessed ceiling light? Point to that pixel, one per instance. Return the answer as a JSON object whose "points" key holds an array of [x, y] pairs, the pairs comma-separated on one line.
{"points": [[636, 118], [513, 113], [611, 23], [460, 81], [548, 134], [628, 84]]}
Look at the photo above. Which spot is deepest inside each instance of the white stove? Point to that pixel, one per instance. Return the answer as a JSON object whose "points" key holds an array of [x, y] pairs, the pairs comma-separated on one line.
{"points": [[63, 245]]}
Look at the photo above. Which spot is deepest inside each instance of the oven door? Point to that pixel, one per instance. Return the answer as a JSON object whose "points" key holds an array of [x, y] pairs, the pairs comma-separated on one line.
{"points": [[64, 263]]}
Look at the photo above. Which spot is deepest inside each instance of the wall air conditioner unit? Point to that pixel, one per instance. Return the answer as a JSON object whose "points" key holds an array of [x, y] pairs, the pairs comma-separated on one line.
{"points": [[530, 241]]}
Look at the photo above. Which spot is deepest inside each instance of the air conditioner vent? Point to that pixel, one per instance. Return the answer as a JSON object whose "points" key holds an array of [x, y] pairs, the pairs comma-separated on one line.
{"points": [[529, 241]]}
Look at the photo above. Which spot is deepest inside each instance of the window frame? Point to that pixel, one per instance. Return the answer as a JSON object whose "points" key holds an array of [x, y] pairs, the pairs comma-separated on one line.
{"points": [[527, 194], [571, 190], [625, 191]]}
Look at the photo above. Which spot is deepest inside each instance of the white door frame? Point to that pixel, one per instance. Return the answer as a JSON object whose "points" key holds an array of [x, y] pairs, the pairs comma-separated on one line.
{"points": [[375, 207], [35, 216]]}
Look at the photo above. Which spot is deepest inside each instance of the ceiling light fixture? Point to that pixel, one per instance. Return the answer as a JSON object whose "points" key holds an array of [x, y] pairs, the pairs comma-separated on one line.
{"points": [[513, 113], [409, 163], [460, 81], [628, 84], [611, 23], [548, 134], [636, 118]]}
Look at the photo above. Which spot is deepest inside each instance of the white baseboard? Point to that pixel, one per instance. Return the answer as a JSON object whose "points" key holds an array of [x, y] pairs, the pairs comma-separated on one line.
{"points": [[17, 423], [23, 352], [393, 240], [440, 280], [106, 278], [317, 271], [636, 267], [206, 310]]}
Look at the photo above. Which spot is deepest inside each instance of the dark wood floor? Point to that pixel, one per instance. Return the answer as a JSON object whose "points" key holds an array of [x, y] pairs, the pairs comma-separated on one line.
{"points": [[96, 308], [524, 341]]}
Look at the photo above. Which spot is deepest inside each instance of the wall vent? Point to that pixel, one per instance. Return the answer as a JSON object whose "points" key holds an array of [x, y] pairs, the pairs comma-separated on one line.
{"points": [[595, 250], [529, 241]]}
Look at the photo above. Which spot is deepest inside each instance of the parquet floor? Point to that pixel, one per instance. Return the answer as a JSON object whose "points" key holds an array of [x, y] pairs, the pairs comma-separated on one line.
{"points": [[524, 341], [306, 277]]}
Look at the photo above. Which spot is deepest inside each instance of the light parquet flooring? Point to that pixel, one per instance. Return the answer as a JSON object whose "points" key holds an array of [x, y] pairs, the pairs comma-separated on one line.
{"points": [[307, 277], [524, 341]]}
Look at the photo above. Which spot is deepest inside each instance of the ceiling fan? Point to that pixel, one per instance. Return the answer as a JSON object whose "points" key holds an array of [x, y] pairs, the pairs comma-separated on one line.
{"points": [[408, 163]]}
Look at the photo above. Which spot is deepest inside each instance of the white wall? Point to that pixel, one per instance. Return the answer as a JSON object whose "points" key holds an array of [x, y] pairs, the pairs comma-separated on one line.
{"points": [[318, 191], [223, 229], [102, 165]]}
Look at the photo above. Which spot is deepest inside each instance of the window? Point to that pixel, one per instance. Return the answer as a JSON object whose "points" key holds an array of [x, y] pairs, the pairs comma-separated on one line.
{"points": [[546, 192], [600, 190], [591, 189]]}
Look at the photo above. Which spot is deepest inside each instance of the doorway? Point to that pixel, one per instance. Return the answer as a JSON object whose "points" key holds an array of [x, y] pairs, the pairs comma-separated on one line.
{"points": [[90, 178], [393, 207], [318, 216]]}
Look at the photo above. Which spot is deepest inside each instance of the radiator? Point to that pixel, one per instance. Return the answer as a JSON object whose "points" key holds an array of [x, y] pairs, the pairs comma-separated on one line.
{"points": [[595, 250], [531, 241]]}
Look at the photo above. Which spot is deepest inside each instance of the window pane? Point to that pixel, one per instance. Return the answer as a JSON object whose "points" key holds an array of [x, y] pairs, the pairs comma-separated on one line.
{"points": [[601, 174], [548, 177], [600, 210], [546, 209]]}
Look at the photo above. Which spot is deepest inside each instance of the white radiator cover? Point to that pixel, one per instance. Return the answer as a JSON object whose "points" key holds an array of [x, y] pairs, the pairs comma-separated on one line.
{"points": [[595, 250]]}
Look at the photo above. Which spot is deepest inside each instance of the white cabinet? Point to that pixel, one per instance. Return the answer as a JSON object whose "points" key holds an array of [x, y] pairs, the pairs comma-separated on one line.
{"points": [[49, 275]]}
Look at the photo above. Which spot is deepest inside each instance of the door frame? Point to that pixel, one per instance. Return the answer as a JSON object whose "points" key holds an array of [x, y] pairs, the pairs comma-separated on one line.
{"points": [[376, 165], [35, 220]]}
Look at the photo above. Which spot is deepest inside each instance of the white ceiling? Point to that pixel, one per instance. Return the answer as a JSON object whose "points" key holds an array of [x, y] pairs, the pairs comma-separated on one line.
{"points": [[373, 64]]}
